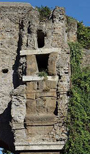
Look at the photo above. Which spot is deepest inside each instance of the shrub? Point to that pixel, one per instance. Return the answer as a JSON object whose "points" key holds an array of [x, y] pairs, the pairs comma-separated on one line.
{"points": [[83, 35], [43, 73], [44, 12]]}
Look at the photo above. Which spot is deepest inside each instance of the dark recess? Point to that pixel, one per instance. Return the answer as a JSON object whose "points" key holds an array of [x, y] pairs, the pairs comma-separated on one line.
{"points": [[42, 61], [16, 81], [40, 38], [4, 70], [56, 109]]}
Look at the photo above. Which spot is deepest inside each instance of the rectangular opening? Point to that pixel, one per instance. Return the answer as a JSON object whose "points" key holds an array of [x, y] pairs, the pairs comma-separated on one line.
{"points": [[42, 62], [40, 38]]}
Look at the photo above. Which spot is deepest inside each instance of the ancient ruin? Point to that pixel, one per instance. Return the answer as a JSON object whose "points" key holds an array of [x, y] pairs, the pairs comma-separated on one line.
{"points": [[35, 78]]}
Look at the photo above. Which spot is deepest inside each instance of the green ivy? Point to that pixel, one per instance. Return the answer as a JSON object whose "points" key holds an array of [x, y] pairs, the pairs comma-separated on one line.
{"points": [[83, 35], [78, 121], [44, 12]]}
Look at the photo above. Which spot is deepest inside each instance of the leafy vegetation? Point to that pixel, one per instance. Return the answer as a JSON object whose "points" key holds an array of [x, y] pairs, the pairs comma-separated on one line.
{"points": [[70, 19], [43, 74], [44, 12], [78, 120], [83, 35]]}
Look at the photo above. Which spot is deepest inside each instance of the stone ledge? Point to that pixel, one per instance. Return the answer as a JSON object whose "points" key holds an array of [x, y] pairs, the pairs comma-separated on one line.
{"points": [[40, 51], [40, 120], [40, 146], [37, 78]]}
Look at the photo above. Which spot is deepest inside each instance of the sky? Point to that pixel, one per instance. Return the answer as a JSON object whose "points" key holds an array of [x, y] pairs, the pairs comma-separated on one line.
{"points": [[78, 9]]}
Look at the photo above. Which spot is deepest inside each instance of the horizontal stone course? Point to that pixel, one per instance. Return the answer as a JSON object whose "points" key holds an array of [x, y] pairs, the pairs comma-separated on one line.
{"points": [[37, 78], [39, 51]]}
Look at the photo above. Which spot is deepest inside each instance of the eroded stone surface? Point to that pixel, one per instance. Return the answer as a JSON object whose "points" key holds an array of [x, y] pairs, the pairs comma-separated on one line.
{"points": [[33, 111]]}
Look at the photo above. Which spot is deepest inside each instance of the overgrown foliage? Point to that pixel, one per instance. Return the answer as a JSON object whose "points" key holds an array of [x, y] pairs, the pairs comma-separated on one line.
{"points": [[70, 19], [83, 35], [79, 106], [45, 12], [43, 74]]}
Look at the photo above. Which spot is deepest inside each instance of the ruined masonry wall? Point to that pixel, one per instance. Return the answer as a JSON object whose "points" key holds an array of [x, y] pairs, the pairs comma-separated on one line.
{"points": [[19, 24]]}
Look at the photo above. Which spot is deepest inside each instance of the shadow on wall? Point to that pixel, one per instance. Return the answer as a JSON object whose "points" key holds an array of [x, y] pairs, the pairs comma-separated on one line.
{"points": [[56, 109], [6, 134], [16, 65]]}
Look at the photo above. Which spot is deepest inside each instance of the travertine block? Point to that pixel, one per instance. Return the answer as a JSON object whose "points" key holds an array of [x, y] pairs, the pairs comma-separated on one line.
{"points": [[51, 84], [32, 67], [30, 106], [40, 106], [52, 63], [40, 119], [50, 104], [31, 87], [30, 95], [40, 132]]}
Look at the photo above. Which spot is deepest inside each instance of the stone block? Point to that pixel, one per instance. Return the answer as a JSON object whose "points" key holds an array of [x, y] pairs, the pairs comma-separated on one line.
{"points": [[31, 86], [40, 85], [40, 106], [30, 107], [30, 95], [40, 119], [31, 78], [46, 85], [50, 104], [46, 105], [52, 63], [39, 51], [51, 84], [37, 134], [32, 67]]}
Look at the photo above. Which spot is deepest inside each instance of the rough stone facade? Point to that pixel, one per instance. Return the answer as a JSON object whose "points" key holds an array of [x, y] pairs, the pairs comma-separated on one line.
{"points": [[71, 29], [86, 58], [33, 111]]}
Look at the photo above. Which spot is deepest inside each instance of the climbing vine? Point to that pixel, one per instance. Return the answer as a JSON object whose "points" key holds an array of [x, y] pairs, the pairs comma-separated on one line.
{"points": [[78, 120], [83, 35]]}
